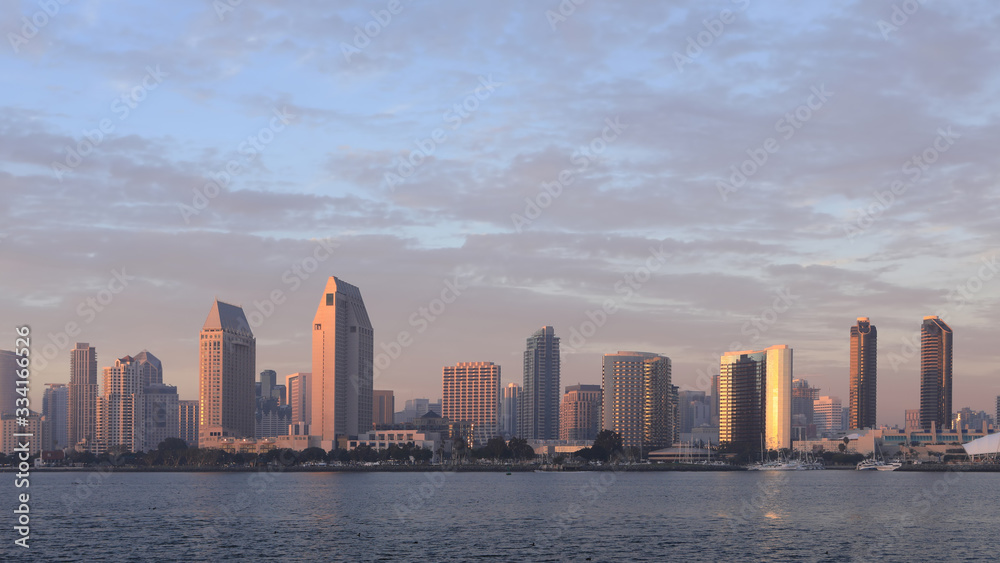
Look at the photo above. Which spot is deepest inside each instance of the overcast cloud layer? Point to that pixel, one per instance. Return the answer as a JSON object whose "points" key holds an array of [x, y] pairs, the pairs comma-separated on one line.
{"points": [[780, 169]]}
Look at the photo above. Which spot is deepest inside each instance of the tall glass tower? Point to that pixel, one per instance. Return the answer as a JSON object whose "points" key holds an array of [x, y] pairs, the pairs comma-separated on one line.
{"points": [[864, 343], [935, 373], [538, 407]]}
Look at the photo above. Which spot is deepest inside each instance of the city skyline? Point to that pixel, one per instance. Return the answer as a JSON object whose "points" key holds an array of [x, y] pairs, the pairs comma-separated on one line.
{"points": [[541, 201]]}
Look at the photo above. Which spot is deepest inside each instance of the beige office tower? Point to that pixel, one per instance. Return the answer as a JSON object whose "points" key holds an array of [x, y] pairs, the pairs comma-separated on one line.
{"points": [[636, 402], [297, 389], [227, 368], [120, 408], [82, 428], [383, 407], [580, 412], [343, 347], [755, 397], [470, 392]]}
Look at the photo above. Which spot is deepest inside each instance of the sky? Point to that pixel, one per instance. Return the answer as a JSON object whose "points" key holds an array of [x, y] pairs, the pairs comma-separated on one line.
{"points": [[684, 178]]}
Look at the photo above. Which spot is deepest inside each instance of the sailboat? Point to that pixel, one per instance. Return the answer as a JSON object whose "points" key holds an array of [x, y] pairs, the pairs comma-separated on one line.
{"points": [[877, 462]]}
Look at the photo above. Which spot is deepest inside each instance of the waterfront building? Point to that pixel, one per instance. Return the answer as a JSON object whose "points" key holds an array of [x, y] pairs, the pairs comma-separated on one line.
{"points": [[636, 400], [297, 387], [580, 413], [383, 407], [755, 397], [803, 397], [55, 416], [342, 369], [470, 391], [538, 405], [935, 373], [160, 414], [9, 426], [82, 428], [508, 410], [8, 381], [864, 374], [120, 413], [828, 415], [187, 422], [227, 363]]}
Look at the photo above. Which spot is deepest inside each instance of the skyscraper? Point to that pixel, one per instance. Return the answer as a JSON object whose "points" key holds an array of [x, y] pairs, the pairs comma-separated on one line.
{"points": [[383, 406], [82, 395], [149, 368], [8, 381], [802, 402], [580, 413], [538, 407], [470, 392], [864, 344], [755, 397], [55, 415], [228, 352], [935, 373], [160, 413], [342, 370], [508, 410], [827, 415], [637, 399], [119, 408], [297, 388], [187, 422]]}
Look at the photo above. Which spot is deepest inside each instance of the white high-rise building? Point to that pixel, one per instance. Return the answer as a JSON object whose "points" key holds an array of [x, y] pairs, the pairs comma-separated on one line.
{"points": [[120, 412], [343, 347], [227, 364], [828, 415]]}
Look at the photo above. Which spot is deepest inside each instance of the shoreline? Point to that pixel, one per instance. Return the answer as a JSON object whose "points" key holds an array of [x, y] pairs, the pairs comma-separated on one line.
{"points": [[938, 468]]}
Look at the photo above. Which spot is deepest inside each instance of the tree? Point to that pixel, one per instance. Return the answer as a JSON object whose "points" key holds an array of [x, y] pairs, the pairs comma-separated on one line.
{"points": [[608, 441], [842, 447], [458, 448], [312, 454], [496, 448], [520, 449], [172, 445]]}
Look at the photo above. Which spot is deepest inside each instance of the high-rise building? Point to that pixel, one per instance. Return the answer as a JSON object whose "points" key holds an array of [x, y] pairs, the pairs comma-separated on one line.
{"points": [[470, 392], [82, 429], [694, 409], [674, 413], [864, 378], [119, 408], [383, 407], [271, 418], [580, 413], [508, 410], [968, 419], [414, 409], [228, 352], [149, 368], [827, 415], [636, 399], [55, 415], [160, 414], [911, 420], [187, 422], [538, 407], [935, 373], [297, 388], [342, 373], [802, 404], [996, 420], [10, 424], [8, 381], [755, 397]]}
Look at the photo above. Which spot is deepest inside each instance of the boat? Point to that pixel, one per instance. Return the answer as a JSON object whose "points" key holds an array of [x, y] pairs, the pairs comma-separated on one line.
{"points": [[878, 463]]}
